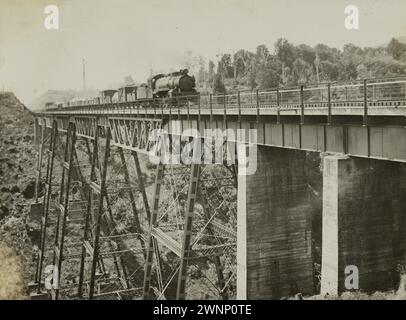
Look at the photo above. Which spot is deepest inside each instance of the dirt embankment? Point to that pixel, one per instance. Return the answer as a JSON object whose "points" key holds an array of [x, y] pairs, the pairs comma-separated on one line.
{"points": [[11, 275], [17, 182]]}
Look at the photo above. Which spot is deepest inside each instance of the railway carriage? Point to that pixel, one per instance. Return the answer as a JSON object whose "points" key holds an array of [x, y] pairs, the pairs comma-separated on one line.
{"points": [[176, 88]]}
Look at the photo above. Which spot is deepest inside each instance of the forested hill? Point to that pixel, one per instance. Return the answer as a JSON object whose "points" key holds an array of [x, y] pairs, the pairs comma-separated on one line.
{"points": [[289, 65]]}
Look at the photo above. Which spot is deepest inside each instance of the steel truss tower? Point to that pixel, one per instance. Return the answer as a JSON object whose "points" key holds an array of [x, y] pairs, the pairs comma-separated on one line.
{"points": [[103, 238]]}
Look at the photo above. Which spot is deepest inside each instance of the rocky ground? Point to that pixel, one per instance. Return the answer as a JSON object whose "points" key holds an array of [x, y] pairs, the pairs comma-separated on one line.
{"points": [[17, 181], [11, 275]]}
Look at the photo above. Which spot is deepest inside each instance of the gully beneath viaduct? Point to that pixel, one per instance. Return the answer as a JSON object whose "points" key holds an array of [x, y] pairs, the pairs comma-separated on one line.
{"points": [[363, 151]]}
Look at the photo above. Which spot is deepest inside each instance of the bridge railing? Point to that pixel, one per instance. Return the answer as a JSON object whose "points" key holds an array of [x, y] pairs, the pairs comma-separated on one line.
{"points": [[316, 96], [385, 91]]}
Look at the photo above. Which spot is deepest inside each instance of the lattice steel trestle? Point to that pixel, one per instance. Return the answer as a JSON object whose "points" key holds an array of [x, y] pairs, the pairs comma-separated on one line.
{"points": [[103, 238]]}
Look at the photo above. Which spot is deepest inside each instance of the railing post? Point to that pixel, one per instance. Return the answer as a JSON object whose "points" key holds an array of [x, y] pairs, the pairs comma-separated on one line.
{"points": [[224, 107], [301, 105], [170, 109], [199, 112], [278, 105], [239, 107], [199, 102], [257, 97], [365, 119], [177, 102], [188, 110], [373, 93], [329, 104], [211, 107]]}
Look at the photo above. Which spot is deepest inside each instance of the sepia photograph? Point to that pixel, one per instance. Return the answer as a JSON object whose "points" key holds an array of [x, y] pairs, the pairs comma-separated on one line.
{"points": [[224, 151]]}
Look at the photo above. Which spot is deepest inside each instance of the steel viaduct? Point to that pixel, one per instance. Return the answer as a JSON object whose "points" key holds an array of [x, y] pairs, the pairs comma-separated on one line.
{"points": [[253, 231]]}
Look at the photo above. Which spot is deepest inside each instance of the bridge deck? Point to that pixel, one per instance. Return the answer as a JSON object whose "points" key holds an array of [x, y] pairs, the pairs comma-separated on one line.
{"points": [[371, 97], [374, 109], [365, 119]]}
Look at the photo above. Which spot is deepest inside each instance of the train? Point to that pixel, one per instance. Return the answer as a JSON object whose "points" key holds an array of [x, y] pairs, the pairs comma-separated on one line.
{"points": [[160, 86], [173, 84]]}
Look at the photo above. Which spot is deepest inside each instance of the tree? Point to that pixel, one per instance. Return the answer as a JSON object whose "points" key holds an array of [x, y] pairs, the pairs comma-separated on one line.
{"points": [[347, 70], [251, 74], [302, 72], [352, 55], [386, 67], [241, 60], [269, 73], [326, 53], [328, 71], [306, 52], [317, 65], [291, 65], [225, 68], [202, 73], [395, 48], [287, 77], [285, 52], [218, 85], [262, 54], [362, 71], [210, 74]]}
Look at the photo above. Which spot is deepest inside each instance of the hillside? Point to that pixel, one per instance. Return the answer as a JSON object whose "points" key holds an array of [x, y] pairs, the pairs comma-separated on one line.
{"points": [[17, 180], [401, 39], [17, 153]]}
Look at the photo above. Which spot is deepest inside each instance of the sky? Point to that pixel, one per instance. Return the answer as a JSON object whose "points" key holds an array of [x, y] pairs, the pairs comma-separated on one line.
{"points": [[130, 37]]}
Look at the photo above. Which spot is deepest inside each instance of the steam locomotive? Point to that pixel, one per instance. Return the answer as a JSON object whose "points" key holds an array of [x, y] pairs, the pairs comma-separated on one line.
{"points": [[173, 84], [162, 86]]}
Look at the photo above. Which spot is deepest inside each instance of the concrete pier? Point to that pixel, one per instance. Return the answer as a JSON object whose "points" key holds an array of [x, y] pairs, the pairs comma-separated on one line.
{"points": [[274, 254], [364, 222]]}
